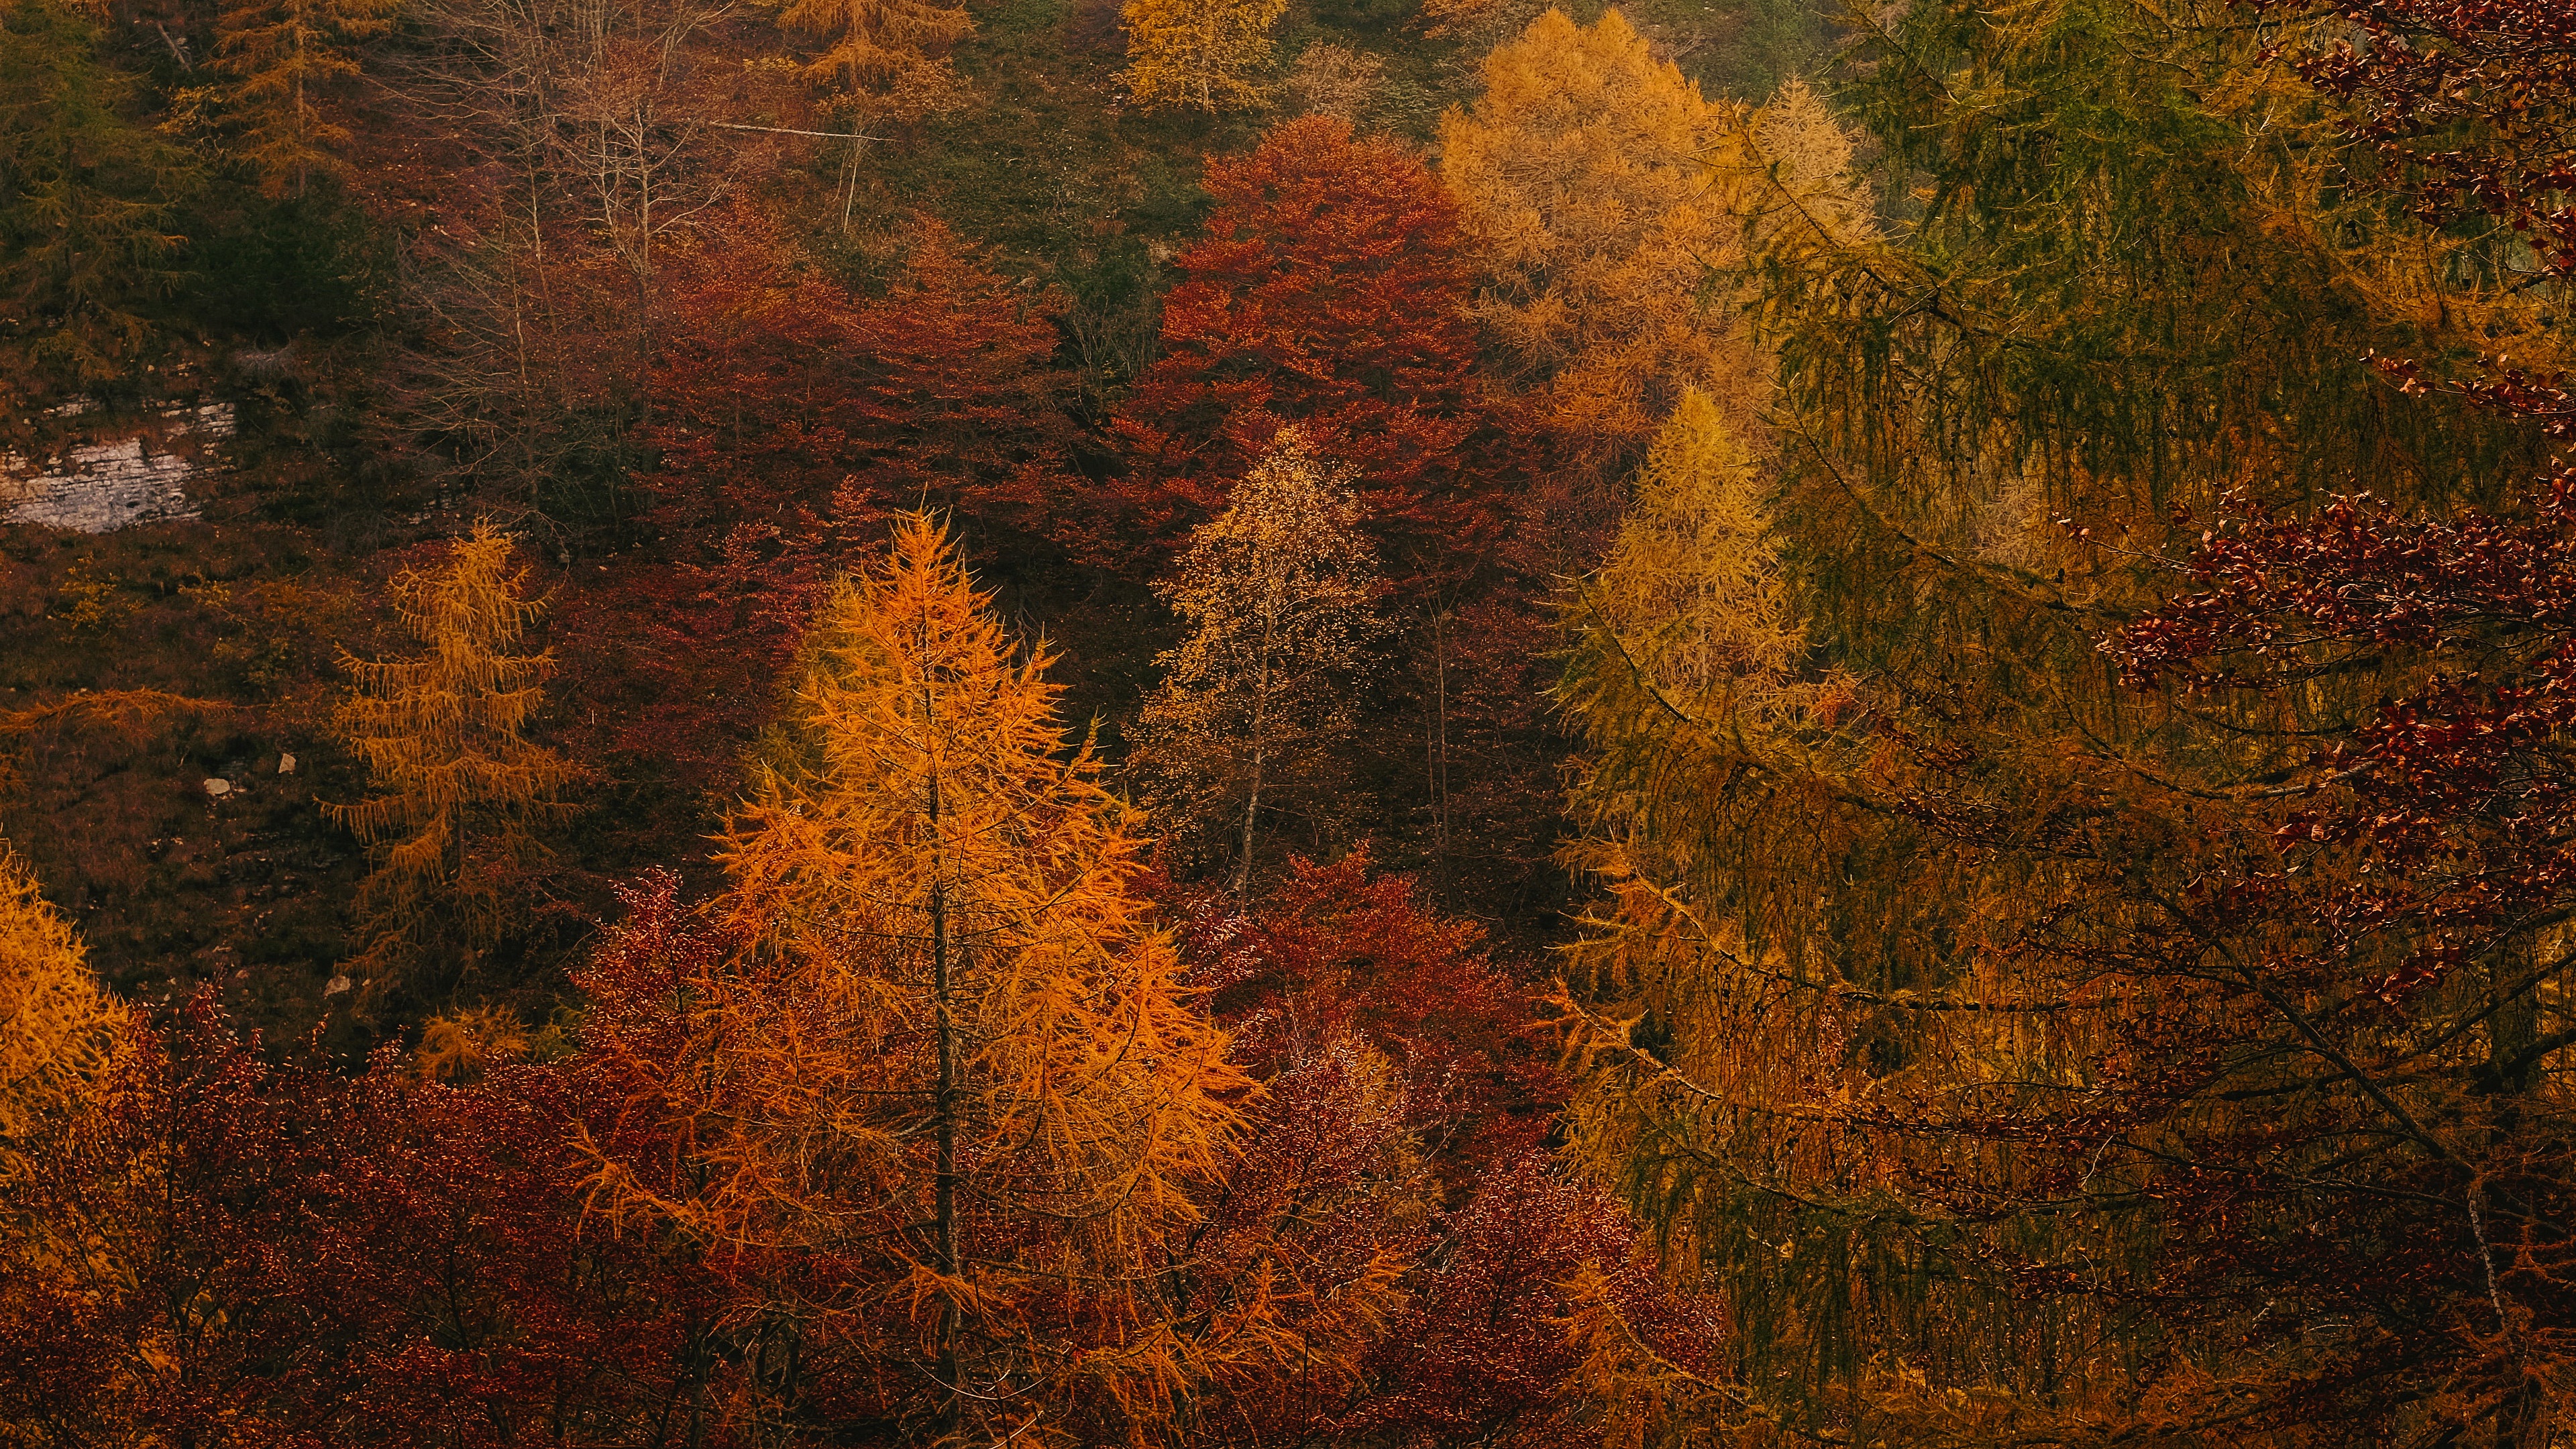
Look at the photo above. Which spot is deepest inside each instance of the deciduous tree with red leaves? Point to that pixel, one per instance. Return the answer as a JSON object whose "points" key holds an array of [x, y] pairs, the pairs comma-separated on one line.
{"points": [[2464, 105], [790, 419], [243, 1252], [1342, 950], [1393, 1189], [1327, 291]]}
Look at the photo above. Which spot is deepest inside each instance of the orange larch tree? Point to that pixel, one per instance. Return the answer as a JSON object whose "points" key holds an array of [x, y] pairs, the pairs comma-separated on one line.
{"points": [[443, 737], [951, 1088]]}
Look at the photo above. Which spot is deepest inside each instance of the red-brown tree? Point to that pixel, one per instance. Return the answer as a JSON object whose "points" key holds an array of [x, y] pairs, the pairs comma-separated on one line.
{"points": [[1327, 291]]}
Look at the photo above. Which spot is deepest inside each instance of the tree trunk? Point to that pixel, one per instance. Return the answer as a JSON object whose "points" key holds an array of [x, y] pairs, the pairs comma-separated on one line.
{"points": [[944, 1102], [1252, 797]]}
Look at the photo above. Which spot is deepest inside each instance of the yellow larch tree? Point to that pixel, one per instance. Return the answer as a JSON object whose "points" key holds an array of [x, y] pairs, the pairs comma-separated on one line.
{"points": [[61, 1033], [285, 57], [952, 1056], [1811, 193], [891, 55], [1199, 54], [1583, 175], [443, 737], [1278, 593], [1691, 592]]}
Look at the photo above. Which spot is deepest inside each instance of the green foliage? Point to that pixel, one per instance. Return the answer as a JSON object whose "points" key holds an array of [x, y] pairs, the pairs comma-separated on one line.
{"points": [[2119, 286], [87, 198], [278, 268]]}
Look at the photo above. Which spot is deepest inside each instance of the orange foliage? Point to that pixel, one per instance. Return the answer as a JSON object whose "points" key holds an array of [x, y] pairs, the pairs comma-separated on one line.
{"points": [[949, 1089]]}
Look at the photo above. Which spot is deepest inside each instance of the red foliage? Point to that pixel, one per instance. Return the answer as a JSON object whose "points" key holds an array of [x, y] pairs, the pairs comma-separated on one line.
{"points": [[1334, 952], [1336, 965], [289, 1256], [2464, 103], [2454, 794], [2374, 922], [1328, 291], [1483, 1355], [790, 420]]}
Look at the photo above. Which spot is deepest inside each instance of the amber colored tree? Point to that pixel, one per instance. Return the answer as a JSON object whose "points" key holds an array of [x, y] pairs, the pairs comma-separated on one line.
{"points": [[1199, 54], [60, 1031], [443, 738], [1278, 596], [1327, 291], [286, 57], [892, 55], [952, 1087], [1693, 593], [1583, 177]]}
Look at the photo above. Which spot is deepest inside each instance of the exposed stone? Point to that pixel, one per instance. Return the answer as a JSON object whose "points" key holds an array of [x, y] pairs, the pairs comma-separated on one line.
{"points": [[286, 764], [218, 787], [133, 469]]}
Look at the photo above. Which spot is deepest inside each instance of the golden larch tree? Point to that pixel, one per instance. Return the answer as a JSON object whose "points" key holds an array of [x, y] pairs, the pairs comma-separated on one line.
{"points": [[1691, 591], [443, 737], [892, 55], [285, 57], [1583, 175], [61, 1033], [1278, 593], [1807, 156], [1200, 54], [951, 1074]]}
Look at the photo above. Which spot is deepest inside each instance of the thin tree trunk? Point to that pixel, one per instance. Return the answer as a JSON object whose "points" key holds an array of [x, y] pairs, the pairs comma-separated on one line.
{"points": [[1252, 798], [1440, 743], [944, 1104]]}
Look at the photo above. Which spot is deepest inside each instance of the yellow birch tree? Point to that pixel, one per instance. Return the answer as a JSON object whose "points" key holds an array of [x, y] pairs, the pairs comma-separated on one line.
{"points": [[1200, 54], [285, 57], [1278, 594], [953, 1062], [443, 738]]}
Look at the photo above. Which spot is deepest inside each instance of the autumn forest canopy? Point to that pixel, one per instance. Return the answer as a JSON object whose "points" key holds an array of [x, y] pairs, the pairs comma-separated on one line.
{"points": [[1232, 724]]}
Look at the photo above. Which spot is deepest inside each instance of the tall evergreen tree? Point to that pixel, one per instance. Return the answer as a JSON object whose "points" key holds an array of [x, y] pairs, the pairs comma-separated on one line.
{"points": [[88, 197], [286, 57], [1876, 1028]]}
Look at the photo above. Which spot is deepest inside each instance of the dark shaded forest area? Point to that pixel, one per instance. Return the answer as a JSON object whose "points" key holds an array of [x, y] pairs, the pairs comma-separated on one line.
{"points": [[1286, 722]]}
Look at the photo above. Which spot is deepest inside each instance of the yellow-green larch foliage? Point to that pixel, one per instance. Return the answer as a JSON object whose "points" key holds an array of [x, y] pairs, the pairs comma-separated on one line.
{"points": [[891, 55], [953, 1051], [1808, 155], [1691, 589], [285, 58], [443, 737], [61, 1033], [1199, 54], [1278, 593], [1689, 662], [1584, 176]]}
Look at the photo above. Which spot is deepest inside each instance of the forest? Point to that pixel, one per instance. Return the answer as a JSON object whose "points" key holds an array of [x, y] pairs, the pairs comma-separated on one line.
{"points": [[1236, 724]]}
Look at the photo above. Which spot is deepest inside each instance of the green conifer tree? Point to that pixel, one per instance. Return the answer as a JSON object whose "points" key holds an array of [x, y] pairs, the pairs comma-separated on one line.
{"points": [[286, 57]]}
